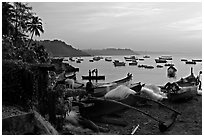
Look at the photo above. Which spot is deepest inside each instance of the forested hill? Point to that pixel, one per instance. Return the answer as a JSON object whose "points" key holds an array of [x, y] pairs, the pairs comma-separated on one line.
{"points": [[59, 48], [110, 51]]}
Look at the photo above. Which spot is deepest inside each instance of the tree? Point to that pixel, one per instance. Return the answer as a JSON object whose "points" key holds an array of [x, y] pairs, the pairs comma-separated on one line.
{"points": [[7, 18], [35, 27]]}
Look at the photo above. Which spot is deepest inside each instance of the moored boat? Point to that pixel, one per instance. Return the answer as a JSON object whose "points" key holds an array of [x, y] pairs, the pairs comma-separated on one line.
{"points": [[166, 57], [118, 63], [146, 56], [197, 60], [160, 61], [190, 62], [168, 64], [159, 66], [133, 63], [108, 59], [184, 60], [100, 89]]}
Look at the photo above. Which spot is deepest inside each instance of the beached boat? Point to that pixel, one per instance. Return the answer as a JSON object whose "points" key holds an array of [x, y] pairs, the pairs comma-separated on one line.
{"points": [[100, 89], [183, 94], [118, 63], [71, 75], [101, 107], [160, 61], [101, 77], [190, 62], [187, 81]]}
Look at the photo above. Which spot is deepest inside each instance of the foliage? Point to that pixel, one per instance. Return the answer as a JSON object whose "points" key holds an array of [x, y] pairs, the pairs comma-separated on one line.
{"points": [[18, 21]]}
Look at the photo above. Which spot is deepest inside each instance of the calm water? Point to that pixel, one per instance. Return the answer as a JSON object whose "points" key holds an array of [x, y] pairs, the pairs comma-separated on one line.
{"points": [[157, 76]]}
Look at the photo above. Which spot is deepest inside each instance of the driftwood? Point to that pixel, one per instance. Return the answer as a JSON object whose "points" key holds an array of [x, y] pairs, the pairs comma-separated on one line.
{"points": [[29, 123]]}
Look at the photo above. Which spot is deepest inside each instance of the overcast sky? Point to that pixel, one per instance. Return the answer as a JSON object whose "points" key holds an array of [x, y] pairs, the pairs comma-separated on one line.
{"points": [[145, 26]]}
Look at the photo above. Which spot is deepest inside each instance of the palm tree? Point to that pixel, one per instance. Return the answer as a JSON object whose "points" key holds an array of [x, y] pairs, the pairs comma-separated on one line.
{"points": [[35, 27]]}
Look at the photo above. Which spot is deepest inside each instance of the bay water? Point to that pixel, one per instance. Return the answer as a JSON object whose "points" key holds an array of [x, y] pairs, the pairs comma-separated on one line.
{"points": [[156, 76]]}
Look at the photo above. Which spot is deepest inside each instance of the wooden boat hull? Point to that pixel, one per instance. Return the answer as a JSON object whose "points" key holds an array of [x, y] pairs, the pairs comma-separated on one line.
{"points": [[102, 88], [93, 77], [101, 107], [183, 94]]}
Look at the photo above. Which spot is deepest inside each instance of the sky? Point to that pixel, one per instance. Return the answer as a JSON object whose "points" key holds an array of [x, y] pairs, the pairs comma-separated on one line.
{"points": [[149, 26]]}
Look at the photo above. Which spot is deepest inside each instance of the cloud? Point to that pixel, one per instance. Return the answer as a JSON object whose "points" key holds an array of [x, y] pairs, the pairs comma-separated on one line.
{"points": [[191, 24]]}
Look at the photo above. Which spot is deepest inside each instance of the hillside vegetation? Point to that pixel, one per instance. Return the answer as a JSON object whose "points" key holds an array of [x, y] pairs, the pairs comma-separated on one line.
{"points": [[60, 48], [110, 51]]}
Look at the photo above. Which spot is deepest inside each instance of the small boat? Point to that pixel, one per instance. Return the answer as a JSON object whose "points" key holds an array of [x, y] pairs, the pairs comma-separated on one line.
{"points": [[78, 61], [133, 63], [118, 63], [166, 57], [131, 58], [183, 94], [159, 66], [142, 66], [97, 58], [108, 59], [91, 60], [141, 59], [190, 62], [160, 61], [168, 64], [100, 107], [184, 60], [71, 59], [149, 67], [100, 89], [146, 56], [197, 60], [71, 75]]}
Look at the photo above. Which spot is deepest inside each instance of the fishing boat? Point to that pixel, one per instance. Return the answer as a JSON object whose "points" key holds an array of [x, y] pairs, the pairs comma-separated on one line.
{"points": [[190, 62], [197, 60], [101, 77], [78, 61], [168, 64], [71, 75], [160, 61], [184, 60], [166, 57], [149, 67], [146, 56], [159, 66], [183, 94], [131, 58], [183, 89], [108, 59], [97, 58], [100, 89], [100, 107], [133, 63], [118, 63], [140, 59]]}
